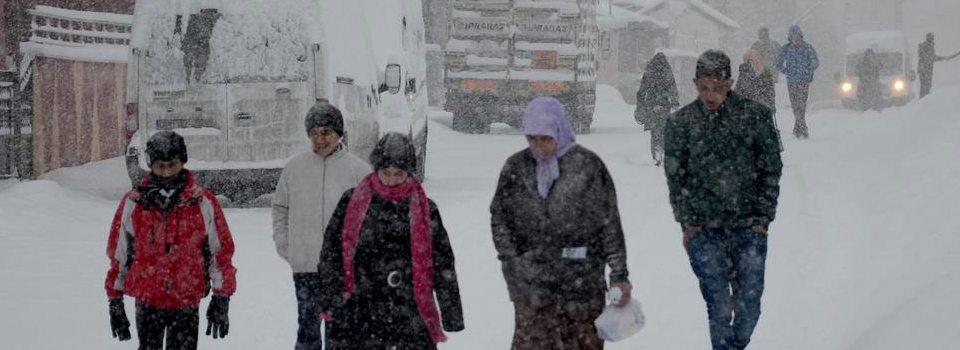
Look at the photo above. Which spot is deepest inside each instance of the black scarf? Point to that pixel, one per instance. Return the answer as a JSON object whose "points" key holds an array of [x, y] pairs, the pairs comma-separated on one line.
{"points": [[164, 193]]}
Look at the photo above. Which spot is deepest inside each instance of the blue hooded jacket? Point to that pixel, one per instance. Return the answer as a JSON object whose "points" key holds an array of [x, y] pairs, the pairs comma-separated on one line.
{"points": [[798, 62]]}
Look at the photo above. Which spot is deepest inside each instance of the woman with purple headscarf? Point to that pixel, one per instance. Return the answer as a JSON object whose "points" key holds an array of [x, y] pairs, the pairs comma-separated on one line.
{"points": [[556, 226]]}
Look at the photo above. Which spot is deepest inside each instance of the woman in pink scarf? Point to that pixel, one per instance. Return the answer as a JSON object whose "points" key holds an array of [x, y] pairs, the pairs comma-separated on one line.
{"points": [[385, 256]]}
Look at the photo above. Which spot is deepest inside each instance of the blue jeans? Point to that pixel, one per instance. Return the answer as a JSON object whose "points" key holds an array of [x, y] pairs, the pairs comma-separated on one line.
{"points": [[729, 264], [310, 332]]}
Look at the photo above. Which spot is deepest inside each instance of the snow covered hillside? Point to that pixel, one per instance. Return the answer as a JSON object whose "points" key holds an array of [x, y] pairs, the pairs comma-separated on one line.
{"points": [[864, 254]]}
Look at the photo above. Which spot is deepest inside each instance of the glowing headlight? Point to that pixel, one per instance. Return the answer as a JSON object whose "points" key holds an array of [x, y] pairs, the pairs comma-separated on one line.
{"points": [[846, 87], [898, 85]]}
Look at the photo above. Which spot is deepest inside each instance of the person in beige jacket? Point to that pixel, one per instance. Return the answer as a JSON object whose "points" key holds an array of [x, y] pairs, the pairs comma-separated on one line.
{"points": [[307, 193]]}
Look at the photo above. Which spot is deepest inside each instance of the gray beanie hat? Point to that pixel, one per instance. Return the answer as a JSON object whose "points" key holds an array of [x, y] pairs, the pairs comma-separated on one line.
{"points": [[324, 114]]}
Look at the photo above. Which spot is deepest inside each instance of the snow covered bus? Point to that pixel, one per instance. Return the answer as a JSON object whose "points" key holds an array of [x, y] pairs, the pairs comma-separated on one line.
{"points": [[237, 78]]}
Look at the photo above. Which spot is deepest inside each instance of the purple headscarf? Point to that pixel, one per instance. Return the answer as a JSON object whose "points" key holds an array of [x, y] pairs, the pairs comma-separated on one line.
{"points": [[545, 116]]}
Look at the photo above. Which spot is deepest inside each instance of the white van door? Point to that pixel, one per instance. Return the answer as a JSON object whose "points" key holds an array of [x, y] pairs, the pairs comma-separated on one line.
{"points": [[266, 121]]}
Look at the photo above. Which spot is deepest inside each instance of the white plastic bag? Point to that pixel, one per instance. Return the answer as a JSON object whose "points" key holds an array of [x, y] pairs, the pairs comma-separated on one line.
{"points": [[617, 323]]}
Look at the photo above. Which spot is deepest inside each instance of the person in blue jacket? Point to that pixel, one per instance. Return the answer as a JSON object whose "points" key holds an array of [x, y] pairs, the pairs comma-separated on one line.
{"points": [[798, 61]]}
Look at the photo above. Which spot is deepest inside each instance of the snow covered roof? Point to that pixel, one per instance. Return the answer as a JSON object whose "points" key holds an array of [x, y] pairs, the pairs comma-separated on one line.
{"points": [[88, 53], [711, 13], [621, 17]]}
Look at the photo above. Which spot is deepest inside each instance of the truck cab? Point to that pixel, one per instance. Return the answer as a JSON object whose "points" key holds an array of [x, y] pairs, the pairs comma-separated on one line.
{"points": [[896, 75]]}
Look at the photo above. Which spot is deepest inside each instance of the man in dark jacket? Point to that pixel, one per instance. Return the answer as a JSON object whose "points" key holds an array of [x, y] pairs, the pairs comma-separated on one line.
{"points": [[927, 56], [556, 227], [169, 245], [798, 61], [869, 88], [723, 169]]}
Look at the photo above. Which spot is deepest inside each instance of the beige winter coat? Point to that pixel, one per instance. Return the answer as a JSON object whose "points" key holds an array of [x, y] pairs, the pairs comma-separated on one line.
{"points": [[307, 194]]}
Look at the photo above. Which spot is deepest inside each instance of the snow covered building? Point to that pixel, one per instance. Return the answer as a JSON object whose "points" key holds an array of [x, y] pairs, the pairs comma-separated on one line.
{"points": [[694, 25], [72, 66], [628, 40]]}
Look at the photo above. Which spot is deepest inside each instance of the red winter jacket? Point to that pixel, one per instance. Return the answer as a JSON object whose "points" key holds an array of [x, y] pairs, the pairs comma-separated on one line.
{"points": [[167, 262]]}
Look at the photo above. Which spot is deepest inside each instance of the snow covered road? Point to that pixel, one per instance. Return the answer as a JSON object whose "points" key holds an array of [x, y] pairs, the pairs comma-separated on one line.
{"points": [[864, 254]]}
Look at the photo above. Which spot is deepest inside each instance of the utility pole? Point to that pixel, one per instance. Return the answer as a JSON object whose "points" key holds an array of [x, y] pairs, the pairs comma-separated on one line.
{"points": [[15, 103]]}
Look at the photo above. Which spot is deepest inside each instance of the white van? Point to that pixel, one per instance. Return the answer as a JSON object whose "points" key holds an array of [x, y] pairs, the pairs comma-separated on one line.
{"points": [[398, 42], [237, 78], [897, 73]]}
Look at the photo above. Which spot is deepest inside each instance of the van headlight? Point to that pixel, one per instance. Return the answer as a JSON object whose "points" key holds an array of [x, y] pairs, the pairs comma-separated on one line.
{"points": [[846, 87], [899, 85]]}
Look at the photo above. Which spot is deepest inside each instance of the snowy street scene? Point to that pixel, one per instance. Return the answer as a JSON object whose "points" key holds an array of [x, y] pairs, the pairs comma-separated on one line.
{"points": [[479, 174]]}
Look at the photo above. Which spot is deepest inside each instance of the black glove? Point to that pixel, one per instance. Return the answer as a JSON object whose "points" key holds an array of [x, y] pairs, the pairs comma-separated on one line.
{"points": [[118, 320], [217, 320]]}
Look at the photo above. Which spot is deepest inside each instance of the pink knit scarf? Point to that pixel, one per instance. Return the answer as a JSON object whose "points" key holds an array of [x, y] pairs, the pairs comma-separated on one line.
{"points": [[421, 243]]}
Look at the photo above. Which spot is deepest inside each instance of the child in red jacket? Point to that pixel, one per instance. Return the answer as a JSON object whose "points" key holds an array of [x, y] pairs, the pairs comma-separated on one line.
{"points": [[169, 245]]}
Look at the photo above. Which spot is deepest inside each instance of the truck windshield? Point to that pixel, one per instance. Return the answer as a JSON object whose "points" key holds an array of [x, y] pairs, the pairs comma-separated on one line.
{"points": [[215, 48], [891, 63]]}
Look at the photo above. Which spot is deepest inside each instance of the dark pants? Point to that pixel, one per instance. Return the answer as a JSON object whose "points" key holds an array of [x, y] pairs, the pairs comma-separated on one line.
{"points": [[730, 265], [557, 325], [310, 331], [926, 82], [179, 325], [798, 101]]}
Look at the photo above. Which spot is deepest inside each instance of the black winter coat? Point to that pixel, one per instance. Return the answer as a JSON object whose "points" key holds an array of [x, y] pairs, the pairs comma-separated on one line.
{"points": [[723, 168], [379, 316], [757, 87], [532, 233], [657, 94]]}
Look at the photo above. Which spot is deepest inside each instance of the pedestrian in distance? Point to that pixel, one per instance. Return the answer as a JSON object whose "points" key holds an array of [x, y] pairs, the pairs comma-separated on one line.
{"points": [[169, 246], [656, 98], [768, 49], [723, 168], [755, 81], [869, 88], [385, 257], [798, 61], [927, 55], [307, 193], [556, 227]]}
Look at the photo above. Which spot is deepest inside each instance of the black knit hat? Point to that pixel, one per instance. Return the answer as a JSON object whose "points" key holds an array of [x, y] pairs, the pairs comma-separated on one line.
{"points": [[394, 150], [324, 114], [713, 63], [166, 146]]}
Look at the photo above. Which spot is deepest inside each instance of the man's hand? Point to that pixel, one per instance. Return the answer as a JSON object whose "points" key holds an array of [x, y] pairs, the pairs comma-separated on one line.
{"points": [[625, 289], [760, 229]]}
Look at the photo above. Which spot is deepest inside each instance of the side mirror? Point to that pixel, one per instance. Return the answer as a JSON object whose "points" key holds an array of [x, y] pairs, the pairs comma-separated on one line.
{"points": [[391, 81], [911, 75], [836, 76]]}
